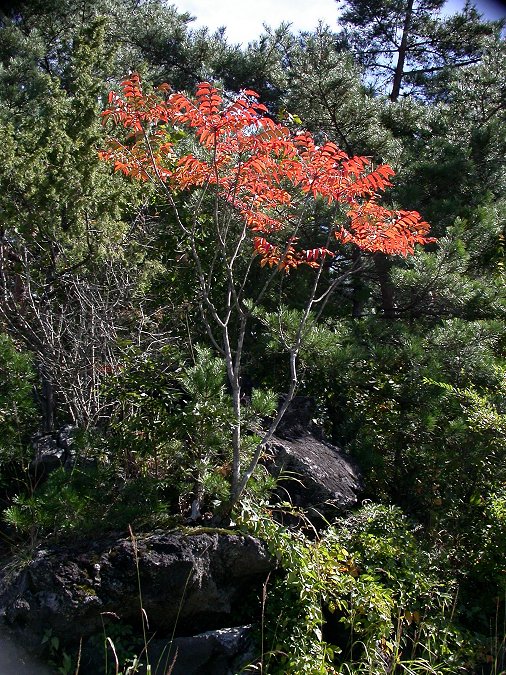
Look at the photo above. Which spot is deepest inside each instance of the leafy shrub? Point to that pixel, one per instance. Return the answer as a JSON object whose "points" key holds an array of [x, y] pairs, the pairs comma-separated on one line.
{"points": [[363, 597], [18, 420]]}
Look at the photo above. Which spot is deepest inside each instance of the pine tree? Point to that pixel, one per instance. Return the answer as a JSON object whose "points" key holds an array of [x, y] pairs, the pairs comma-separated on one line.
{"points": [[407, 45]]}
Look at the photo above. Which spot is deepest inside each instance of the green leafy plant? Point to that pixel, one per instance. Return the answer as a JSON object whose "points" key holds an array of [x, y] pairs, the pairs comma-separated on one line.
{"points": [[57, 655], [362, 597], [174, 427], [91, 500]]}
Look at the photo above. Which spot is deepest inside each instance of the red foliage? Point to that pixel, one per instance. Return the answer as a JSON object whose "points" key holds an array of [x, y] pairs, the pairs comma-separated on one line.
{"points": [[260, 168]]}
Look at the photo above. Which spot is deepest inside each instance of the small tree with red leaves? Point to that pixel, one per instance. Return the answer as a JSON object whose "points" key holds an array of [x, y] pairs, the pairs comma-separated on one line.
{"points": [[256, 182]]}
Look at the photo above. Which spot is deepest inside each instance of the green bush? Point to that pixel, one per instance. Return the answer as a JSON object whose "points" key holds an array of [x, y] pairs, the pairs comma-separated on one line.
{"points": [[363, 597], [87, 502], [175, 426]]}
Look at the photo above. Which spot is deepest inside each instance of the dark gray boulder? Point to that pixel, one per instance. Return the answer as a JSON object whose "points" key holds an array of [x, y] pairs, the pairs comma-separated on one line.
{"points": [[225, 651], [48, 456], [191, 583], [298, 420], [65, 436], [52, 451], [314, 475]]}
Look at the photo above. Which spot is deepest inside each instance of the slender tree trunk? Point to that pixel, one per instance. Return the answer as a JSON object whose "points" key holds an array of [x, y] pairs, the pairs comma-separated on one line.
{"points": [[357, 298], [402, 52], [380, 260], [47, 402], [236, 440], [234, 380], [382, 267]]}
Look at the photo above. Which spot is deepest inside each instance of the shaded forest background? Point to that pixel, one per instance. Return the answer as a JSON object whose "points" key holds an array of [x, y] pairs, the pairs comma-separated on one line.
{"points": [[100, 311]]}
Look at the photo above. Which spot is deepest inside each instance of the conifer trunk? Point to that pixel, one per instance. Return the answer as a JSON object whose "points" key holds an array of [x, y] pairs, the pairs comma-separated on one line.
{"points": [[382, 267], [402, 51]]}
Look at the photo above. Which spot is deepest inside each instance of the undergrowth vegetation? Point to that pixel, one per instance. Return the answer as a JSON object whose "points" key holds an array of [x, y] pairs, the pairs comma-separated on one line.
{"points": [[365, 597]]}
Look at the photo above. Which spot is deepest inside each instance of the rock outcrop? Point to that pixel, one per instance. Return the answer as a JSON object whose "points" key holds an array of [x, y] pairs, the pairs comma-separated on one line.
{"points": [[315, 475], [200, 588], [190, 584], [52, 451], [225, 651]]}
